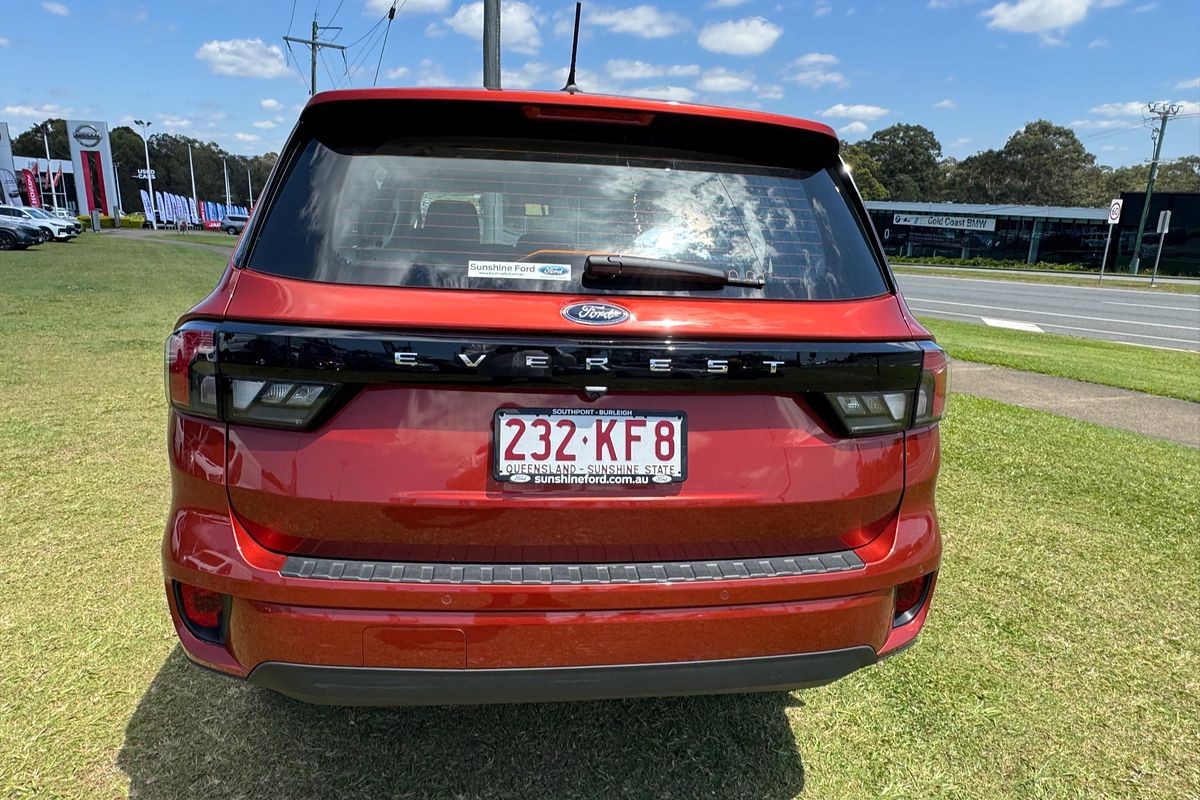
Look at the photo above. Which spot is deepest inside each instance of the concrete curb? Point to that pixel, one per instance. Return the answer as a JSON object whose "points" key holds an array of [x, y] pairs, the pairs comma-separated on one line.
{"points": [[1147, 414]]}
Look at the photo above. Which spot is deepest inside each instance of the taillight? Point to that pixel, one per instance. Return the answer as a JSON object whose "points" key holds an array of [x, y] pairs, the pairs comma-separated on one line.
{"points": [[286, 404], [935, 383], [195, 385], [192, 369], [866, 413]]}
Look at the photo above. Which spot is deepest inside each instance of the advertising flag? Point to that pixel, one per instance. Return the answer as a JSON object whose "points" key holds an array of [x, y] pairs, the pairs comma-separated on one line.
{"points": [[10, 193], [145, 202], [31, 188]]}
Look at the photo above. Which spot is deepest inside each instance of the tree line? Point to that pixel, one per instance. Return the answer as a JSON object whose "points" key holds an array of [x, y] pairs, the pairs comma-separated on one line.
{"points": [[168, 158], [1042, 164]]}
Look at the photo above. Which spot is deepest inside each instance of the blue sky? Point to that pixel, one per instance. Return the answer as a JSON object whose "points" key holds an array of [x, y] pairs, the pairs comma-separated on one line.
{"points": [[972, 70]]}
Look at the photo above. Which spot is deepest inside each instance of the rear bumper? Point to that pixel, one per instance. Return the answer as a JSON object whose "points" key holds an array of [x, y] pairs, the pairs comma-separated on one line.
{"points": [[367, 686], [381, 632]]}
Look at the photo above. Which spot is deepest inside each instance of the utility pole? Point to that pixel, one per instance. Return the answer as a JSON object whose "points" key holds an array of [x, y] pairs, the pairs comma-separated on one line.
{"points": [[250, 186], [314, 45], [228, 200], [491, 44], [1163, 111]]}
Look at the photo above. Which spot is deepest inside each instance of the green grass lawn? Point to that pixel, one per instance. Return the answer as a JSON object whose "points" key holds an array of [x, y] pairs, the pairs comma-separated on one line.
{"points": [[1051, 277], [1061, 659], [1169, 373]]}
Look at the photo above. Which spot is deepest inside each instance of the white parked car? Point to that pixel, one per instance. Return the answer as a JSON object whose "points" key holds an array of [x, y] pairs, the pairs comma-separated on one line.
{"points": [[60, 230]]}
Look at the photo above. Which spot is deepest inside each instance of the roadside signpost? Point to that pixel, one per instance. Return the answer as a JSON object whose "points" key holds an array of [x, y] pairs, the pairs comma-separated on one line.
{"points": [[1114, 216], [1164, 223]]}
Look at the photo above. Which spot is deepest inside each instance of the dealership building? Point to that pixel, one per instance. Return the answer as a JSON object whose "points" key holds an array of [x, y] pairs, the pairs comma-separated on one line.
{"points": [[1045, 234]]}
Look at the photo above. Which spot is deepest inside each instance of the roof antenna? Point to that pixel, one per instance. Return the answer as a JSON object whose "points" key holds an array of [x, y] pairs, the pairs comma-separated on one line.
{"points": [[572, 87]]}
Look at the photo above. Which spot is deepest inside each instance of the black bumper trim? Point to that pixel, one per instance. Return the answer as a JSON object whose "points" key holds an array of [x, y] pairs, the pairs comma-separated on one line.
{"points": [[569, 574], [377, 686]]}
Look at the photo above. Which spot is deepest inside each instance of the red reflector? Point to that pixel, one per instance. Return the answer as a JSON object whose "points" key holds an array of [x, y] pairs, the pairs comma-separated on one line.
{"points": [[202, 607], [588, 115], [909, 596]]}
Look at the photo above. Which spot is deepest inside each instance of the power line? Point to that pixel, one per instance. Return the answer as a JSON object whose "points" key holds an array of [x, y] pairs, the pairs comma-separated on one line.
{"points": [[386, 31], [365, 53], [296, 64], [335, 12]]}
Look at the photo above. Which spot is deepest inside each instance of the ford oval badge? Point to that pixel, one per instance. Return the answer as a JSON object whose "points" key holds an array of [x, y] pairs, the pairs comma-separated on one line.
{"points": [[595, 313]]}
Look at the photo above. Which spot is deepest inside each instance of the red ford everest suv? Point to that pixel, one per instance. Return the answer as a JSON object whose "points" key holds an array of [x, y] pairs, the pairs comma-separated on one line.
{"points": [[519, 396]]}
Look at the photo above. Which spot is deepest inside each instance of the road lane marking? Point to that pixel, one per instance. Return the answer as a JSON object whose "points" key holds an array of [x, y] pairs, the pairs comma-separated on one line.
{"points": [[1028, 327], [1147, 305], [1089, 330], [1149, 290], [1054, 314]]}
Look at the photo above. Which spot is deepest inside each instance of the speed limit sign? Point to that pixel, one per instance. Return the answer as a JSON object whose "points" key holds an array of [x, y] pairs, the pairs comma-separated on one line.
{"points": [[1114, 212]]}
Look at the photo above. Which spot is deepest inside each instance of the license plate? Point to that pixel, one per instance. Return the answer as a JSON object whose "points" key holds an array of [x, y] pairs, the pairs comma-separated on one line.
{"points": [[580, 446]]}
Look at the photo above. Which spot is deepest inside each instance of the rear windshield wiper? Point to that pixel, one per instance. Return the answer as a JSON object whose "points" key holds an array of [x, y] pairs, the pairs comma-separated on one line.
{"points": [[600, 265]]}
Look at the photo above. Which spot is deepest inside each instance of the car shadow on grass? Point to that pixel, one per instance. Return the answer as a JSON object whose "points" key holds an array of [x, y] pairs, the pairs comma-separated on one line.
{"points": [[200, 735]]}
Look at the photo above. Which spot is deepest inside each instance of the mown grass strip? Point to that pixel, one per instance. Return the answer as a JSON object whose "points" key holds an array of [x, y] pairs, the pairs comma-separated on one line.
{"points": [[1060, 660], [1168, 373]]}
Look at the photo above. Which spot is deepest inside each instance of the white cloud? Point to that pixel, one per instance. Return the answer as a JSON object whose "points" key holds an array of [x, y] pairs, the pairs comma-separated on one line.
{"points": [[815, 60], [57, 8], [377, 8], [853, 128], [172, 122], [855, 111], [822, 8], [770, 92], [3, 42], [520, 25], [1119, 114], [959, 142], [431, 74], [1096, 44], [720, 79], [680, 94], [1043, 17], [243, 58], [1099, 123], [396, 73], [750, 36], [626, 70], [265, 124], [1130, 109], [246, 137], [1194, 83], [727, 3], [40, 111], [946, 104], [1144, 8], [645, 22], [270, 104], [531, 75], [811, 72]]}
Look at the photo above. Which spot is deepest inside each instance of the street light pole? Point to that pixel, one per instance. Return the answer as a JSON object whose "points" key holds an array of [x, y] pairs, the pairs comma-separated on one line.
{"points": [[149, 180], [195, 197]]}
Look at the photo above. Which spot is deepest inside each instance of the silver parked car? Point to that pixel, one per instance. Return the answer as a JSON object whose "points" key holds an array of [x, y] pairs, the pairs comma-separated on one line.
{"points": [[233, 224]]}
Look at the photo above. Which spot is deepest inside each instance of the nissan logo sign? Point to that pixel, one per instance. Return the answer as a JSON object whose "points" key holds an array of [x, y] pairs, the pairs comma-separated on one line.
{"points": [[595, 313], [87, 135]]}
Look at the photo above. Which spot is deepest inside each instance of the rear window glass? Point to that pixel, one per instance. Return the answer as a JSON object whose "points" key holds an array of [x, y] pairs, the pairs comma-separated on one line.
{"points": [[467, 215]]}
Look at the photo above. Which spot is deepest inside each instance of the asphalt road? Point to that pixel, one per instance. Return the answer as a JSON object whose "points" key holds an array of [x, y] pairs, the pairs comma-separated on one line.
{"points": [[1120, 315]]}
